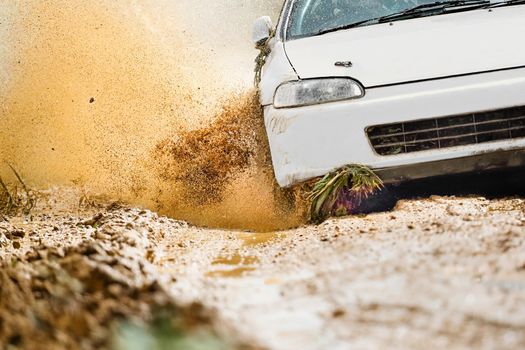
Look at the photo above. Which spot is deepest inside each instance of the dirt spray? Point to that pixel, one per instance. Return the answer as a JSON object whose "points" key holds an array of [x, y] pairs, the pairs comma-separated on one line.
{"points": [[145, 101]]}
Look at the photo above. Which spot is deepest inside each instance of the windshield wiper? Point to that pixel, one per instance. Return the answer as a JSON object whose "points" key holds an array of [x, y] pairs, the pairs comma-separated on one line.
{"points": [[440, 6], [348, 26], [506, 3], [414, 12]]}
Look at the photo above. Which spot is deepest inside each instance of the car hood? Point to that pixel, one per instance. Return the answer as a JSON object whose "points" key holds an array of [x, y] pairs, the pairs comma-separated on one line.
{"points": [[416, 49]]}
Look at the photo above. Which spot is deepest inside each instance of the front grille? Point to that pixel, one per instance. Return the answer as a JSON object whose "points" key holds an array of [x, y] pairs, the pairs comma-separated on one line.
{"points": [[445, 132]]}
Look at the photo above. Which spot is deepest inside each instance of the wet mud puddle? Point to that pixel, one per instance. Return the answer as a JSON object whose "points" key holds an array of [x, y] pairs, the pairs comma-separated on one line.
{"points": [[242, 260]]}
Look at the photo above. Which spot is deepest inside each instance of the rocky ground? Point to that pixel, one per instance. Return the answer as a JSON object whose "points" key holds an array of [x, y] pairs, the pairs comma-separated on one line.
{"points": [[443, 272]]}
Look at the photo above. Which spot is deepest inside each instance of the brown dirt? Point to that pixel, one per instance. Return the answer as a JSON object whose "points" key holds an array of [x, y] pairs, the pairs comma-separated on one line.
{"points": [[73, 276], [443, 272]]}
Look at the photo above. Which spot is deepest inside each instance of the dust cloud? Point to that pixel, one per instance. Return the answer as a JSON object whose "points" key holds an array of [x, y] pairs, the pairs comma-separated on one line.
{"points": [[141, 100]]}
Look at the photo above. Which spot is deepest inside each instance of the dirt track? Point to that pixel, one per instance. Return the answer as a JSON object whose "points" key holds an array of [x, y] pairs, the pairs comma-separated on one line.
{"points": [[436, 273]]}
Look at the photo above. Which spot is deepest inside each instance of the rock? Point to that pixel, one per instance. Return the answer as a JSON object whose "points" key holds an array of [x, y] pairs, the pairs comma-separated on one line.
{"points": [[3, 240], [102, 236], [93, 221], [18, 233]]}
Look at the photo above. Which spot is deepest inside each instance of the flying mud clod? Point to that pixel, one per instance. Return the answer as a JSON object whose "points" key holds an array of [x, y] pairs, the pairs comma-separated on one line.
{"points": [[205, 167]]}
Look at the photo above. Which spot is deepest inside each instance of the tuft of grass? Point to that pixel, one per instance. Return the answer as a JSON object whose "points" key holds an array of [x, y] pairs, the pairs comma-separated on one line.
{"points": [[341, 190], [16, 198]]}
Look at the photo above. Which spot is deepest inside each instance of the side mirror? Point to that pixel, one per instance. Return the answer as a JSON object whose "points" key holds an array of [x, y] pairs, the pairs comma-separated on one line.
{"points": [[262, 30]]}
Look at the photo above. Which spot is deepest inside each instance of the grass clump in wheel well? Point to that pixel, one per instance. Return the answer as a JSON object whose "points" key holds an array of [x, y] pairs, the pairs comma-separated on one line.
{"points": [[17, 197], [338, 192]]}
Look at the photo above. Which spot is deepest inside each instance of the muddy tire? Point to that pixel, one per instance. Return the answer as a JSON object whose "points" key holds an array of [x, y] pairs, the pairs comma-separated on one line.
{"points": [[381, 201]]}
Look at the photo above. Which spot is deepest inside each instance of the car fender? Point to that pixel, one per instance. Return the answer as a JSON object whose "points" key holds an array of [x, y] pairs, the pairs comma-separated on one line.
{"points": [[276, 70]]}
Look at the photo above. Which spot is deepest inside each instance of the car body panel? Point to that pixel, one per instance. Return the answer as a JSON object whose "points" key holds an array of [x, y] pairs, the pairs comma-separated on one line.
{"points": [[281, 70], [416, 49], [311, 141]]}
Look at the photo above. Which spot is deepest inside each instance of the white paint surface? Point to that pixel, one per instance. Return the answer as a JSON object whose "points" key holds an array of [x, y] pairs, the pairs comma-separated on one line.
{"points": [[421, 48], [310, 141]]}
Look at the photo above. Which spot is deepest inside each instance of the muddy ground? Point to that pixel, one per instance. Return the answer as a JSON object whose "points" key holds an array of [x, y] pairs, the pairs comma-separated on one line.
{"points": [[443, 272]]}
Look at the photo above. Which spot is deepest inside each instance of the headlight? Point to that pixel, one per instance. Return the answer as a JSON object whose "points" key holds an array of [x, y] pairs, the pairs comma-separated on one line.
{"points": [[315, 91]]}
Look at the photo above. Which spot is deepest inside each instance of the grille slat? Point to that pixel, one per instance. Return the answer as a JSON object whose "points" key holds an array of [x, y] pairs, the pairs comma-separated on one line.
{"points": [[449, 127], [408, 143], [446, 132]]}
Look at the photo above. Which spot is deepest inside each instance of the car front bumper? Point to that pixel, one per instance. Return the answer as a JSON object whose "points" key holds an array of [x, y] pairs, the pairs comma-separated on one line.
{"points": [[311, 141]]}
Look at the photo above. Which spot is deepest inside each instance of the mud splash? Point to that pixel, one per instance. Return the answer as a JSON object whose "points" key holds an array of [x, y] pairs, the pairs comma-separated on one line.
{"points": [[204, 160], [225, 170], [92, 89]]}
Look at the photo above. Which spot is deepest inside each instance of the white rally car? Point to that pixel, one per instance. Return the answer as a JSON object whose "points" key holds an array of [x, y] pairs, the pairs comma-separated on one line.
{"points": [[411, 88]]}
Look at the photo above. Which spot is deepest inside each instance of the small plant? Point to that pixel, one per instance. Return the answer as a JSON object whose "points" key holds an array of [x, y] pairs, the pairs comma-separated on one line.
{"points": [[342, 190], [17, 198]]}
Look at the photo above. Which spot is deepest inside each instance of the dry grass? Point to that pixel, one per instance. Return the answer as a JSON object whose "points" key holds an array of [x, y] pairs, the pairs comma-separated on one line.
{"points": [[16, 197]]}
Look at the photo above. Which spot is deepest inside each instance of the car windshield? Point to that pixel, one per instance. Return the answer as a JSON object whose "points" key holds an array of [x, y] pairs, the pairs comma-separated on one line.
{"points": [[311, 17]]}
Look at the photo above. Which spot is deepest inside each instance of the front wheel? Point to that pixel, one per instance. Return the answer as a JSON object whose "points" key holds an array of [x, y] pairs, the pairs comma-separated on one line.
{"points": [[380, 201]]}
